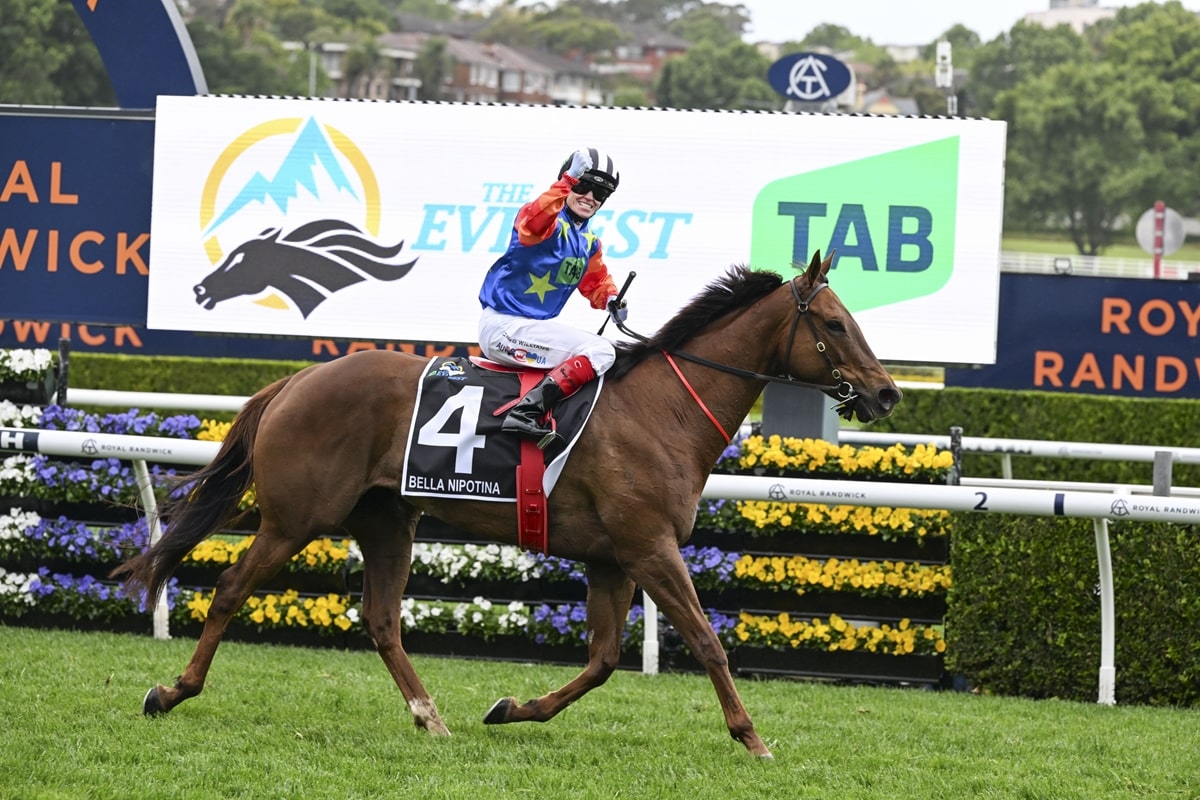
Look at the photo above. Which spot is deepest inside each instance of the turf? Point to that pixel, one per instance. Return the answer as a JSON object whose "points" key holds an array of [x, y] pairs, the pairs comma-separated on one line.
{"points": [[283, 722]]}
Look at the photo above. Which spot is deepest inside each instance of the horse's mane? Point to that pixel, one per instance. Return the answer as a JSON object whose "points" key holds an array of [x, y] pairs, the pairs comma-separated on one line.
{"points": [[736, 289]]}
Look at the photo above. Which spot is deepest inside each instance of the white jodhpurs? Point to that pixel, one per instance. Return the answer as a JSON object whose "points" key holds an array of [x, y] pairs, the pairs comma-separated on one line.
{"points": [[542, 343]]}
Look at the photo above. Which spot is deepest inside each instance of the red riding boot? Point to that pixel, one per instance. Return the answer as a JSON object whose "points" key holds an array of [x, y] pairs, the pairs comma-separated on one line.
{"points": [[526, 417]]}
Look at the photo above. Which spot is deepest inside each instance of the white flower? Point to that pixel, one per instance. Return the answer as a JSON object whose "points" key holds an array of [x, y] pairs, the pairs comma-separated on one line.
{"points": [[15, 588], [14, 524], [516, 618], [15, 416], [450, 562], [24, 364], [17, 475]]}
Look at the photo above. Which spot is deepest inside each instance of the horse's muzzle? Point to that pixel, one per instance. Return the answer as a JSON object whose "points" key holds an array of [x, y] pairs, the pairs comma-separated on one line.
{"points": [[203, 298], [869, 406]]}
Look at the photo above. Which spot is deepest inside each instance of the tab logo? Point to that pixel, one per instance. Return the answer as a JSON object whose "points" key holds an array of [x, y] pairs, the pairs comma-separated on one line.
{"points": [[890, 218]]}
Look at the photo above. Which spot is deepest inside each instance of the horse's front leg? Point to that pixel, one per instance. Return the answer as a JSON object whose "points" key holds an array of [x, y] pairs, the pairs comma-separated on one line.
{"points": [[665, 577], [610, 593]]}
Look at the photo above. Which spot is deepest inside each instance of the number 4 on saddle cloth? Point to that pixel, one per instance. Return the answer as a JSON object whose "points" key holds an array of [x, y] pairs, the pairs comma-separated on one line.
{"points": [[457, 450]]}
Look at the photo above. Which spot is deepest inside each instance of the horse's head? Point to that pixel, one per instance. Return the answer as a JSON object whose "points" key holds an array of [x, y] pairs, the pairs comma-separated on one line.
{"points": [[238, 274], [826, 347]]}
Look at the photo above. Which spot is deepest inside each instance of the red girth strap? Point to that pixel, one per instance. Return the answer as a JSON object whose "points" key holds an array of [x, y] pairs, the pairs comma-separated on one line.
{"points": [[531, 497]]}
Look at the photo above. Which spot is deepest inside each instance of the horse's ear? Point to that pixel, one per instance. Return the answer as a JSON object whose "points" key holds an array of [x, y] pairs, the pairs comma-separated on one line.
{"points": [[817, 268], [815, 264], [809, 276], [826, 264]]}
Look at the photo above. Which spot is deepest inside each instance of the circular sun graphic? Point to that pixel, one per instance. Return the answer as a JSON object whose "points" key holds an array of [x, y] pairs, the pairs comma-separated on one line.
{"points": [[287, 126]]}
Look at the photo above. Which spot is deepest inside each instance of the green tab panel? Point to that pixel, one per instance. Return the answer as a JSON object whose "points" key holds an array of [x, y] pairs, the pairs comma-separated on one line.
{"points": [[890, 217]]}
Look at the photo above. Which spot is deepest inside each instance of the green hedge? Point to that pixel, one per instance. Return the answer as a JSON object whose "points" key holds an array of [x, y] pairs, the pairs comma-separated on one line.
{"points": [[1005, 414], [178, 374], [1024, 610]]}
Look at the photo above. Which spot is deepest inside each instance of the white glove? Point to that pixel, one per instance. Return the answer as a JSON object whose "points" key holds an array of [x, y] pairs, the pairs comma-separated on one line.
{"points": [[581, 162], [618, 310]]}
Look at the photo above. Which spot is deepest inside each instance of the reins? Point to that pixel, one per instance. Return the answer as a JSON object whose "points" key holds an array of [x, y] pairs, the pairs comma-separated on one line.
{"points": [[843, 389]]}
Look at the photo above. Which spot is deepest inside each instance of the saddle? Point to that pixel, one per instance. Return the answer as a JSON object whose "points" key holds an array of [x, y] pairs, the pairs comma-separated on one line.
{"points": [[456, 449]]}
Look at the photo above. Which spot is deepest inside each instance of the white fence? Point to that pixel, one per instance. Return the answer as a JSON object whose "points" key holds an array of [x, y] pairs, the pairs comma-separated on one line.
{"points": [[1098, 506], [1097, 266]]}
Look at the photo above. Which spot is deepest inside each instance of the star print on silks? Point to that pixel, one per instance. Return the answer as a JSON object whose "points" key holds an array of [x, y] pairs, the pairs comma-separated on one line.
{"points": [[540, 286]]}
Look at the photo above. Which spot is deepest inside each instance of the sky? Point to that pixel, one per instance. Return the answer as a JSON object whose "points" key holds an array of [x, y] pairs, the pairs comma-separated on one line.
{"points": [[894, 21]]}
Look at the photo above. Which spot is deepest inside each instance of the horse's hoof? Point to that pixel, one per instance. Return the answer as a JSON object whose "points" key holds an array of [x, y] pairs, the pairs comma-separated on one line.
{"points": [[151, 704], [498, 713]]}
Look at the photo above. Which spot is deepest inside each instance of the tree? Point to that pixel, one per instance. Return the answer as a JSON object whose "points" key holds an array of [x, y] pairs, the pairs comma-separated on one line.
{"points": [[1076, 153], [247, 18], [1156, 49], [430, 67], [50, 59], [566, 31], [655, 12], [711, 22], [1026, 51], [630, 97], [258, 67], [713, 76], [835, 37], [963, 44], [364, 64]]}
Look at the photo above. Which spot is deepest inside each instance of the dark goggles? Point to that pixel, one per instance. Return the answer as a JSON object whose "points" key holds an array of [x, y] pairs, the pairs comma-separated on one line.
{"points": [[600, 193]]}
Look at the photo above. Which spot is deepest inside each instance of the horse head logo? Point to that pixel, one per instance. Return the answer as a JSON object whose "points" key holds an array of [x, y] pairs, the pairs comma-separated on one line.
{"points": [[306, 265]]}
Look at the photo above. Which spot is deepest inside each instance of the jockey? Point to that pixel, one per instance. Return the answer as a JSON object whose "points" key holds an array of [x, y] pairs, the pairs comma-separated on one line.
{"points": [[551, 251]]}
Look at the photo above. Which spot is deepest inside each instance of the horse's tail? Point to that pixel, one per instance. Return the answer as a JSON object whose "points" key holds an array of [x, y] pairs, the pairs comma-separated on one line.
{"points": [[190, 515]]}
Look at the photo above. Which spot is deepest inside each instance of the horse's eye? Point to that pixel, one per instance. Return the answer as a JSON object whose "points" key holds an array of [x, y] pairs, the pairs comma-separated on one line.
{"points": [[233, 262], [835, 325]]}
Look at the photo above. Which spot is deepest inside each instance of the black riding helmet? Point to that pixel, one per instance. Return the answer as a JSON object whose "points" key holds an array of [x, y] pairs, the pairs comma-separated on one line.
{"points": [[603, 173]]}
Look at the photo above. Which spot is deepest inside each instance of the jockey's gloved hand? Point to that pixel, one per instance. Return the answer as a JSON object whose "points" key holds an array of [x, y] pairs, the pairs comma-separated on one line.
{"points": [[581, 162], [617, 309]]}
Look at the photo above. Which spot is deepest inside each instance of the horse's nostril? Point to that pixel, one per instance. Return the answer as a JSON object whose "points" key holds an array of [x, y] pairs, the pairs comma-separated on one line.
{"points": [[199, 290], [889, 398]]}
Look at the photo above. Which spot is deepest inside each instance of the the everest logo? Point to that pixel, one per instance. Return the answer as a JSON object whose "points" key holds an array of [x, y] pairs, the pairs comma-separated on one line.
{"points": [[289, 214], [890, 218]]}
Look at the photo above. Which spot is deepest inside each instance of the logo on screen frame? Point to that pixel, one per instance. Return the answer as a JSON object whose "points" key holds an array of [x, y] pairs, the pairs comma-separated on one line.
{"points": [[290, 214], [809, 77]]}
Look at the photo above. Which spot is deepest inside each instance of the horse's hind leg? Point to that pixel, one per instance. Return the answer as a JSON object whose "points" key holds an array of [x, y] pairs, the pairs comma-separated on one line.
{"points": [[260, 562], [610, 593], [385, 527]]}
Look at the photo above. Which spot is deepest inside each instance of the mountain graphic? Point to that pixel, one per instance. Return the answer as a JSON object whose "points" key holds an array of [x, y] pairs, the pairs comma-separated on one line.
{"points": [[310, 150]]}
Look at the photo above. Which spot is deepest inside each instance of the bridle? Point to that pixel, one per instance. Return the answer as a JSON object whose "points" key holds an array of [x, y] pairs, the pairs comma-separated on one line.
{"points": [[842, 389]]}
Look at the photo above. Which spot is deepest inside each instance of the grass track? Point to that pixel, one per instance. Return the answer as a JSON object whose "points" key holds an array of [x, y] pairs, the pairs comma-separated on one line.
{"points": [[279, 722]]}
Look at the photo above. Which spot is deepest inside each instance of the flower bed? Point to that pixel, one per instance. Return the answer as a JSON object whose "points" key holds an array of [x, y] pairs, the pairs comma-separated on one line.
{"points": [[27, 377], [771, 575]]}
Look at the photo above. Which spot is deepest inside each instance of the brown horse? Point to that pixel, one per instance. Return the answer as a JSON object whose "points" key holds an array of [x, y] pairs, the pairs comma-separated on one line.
{"points": [[324, 449]]}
